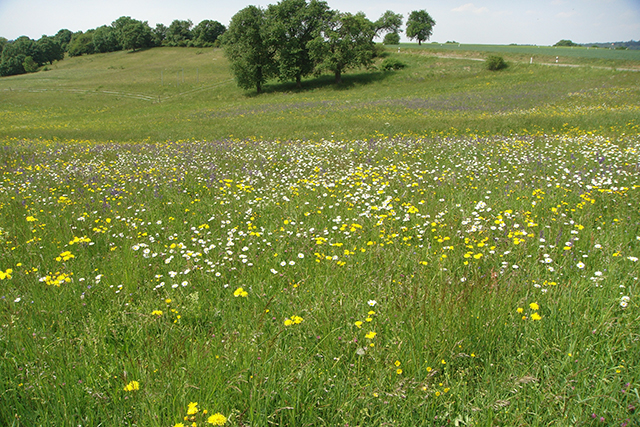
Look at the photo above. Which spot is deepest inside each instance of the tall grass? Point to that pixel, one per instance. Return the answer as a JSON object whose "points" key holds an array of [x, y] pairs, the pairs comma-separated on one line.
{"points": [[120, 97], [408, 281], [439, 245]]}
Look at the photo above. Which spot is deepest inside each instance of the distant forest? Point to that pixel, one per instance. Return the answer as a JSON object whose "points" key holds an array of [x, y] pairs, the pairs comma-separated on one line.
{"points": [[24, 55]]}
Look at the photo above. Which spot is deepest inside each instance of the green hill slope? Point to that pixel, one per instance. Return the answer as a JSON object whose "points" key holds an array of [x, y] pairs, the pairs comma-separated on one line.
{"points": [[181, 93]]}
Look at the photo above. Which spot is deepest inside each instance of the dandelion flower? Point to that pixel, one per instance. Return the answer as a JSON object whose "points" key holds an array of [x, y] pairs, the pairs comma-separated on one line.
{"points": [[535, 316], [534, 306], [217, 419], [133, 385], [193, 408], [370, 335]]}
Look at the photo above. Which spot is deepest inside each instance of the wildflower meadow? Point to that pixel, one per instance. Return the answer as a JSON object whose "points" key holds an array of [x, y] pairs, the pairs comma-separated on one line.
{"points": [[451, 279]]}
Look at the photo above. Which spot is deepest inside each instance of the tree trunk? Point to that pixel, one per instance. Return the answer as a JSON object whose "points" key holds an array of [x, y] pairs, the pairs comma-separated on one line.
{"points": [[419, 42], [258, 87], [338, 76], [298, 81]]}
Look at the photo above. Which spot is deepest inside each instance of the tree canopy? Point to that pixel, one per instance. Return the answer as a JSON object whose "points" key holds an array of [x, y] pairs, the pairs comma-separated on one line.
{"points": [[291, 25], [420, 25], [245, 45], [345, 41]]}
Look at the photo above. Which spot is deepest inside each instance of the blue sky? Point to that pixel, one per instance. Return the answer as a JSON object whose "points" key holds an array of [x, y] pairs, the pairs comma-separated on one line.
{"points": [[541, 22]]}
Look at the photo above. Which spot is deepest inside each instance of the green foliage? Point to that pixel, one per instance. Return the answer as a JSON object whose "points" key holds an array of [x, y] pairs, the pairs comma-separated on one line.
{"points": [[63, 38], [345, 41], [179, 33], [420, 25], [105, 39], [246, 46], [390, 22], [29, 65], [49, 50], [3, 42], [565, 43], [390, 64], [81, 44], [206, 33], [291, 25], [391, 38], [495, 63], [135, 35], [159, 34]]}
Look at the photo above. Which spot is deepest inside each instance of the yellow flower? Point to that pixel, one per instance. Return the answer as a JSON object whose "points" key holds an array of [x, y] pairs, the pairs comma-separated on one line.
{"points": [[520, 310], [399, 371], [370, 335], [179, 425], [156, 313], [133, 385], [193, 408], [240, 293], [534, 306], [288, 322], [429, 369], [217, 419], [31, 219], [437, 393], [397, 363], [535, 316], [359, 323]]}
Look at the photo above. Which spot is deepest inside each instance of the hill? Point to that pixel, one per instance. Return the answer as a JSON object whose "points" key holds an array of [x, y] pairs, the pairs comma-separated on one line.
{"points": [[188, 93]]}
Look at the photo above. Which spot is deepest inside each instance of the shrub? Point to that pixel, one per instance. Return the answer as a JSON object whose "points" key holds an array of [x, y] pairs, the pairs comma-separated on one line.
{"points": [[391, 38], [495, 63], [392, 64]]}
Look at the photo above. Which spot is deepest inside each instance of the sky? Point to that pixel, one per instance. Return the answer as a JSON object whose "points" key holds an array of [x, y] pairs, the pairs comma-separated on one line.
{"points": [[537, 22]]}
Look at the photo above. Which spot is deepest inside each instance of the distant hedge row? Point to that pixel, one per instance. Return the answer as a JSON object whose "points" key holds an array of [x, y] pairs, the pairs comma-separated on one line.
{"points": [[25, 55]]}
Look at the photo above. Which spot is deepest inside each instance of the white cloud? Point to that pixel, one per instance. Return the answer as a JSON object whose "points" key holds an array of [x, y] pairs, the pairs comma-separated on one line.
{"points": [[470, 7]]}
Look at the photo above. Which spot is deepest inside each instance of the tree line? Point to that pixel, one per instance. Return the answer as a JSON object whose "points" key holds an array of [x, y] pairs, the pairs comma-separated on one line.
{"points": [[289, 40], [296, 38], [24, 55]]}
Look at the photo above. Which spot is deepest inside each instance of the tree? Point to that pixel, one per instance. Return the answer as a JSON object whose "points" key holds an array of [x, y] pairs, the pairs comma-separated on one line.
{"points": [[81, 43], [159, 34], [206, 33], [292, 24], [29, 65], [420, 26], [63, 37], [135, 35], [3, 42], [105, 39], [566, 43], [246, 48], [345, 41], [179, 33], [14, 54], [389, 22], [48, 51]]}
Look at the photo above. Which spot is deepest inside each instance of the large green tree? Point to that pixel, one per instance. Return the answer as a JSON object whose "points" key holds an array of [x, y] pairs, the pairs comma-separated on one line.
{"points": [[105, 39], [389, 22], [206, 33], [292, 24], [179, 33], [63, 37], [245, 45], [135, 35], [81, 44], [345, 41], [420, 26]]}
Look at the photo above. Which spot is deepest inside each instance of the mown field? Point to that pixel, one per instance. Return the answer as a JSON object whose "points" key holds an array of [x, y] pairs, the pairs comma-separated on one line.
{"points": [[437, 246]]}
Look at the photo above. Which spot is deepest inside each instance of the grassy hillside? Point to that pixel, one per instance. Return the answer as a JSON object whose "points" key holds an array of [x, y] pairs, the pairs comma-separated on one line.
{"points": [[177, 93], [485, 274]]}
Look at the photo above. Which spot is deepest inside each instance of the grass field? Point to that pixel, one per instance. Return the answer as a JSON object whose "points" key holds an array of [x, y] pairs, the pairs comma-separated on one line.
{"points": [[437, 246]]}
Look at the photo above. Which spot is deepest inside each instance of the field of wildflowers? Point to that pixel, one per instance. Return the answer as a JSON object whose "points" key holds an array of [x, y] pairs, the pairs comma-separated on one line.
{"points": [[444, 280]]}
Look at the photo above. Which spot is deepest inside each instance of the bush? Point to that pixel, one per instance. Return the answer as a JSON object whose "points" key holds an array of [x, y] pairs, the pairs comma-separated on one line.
{"points": [[495, 63], [392, 64], [391, 38]]}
